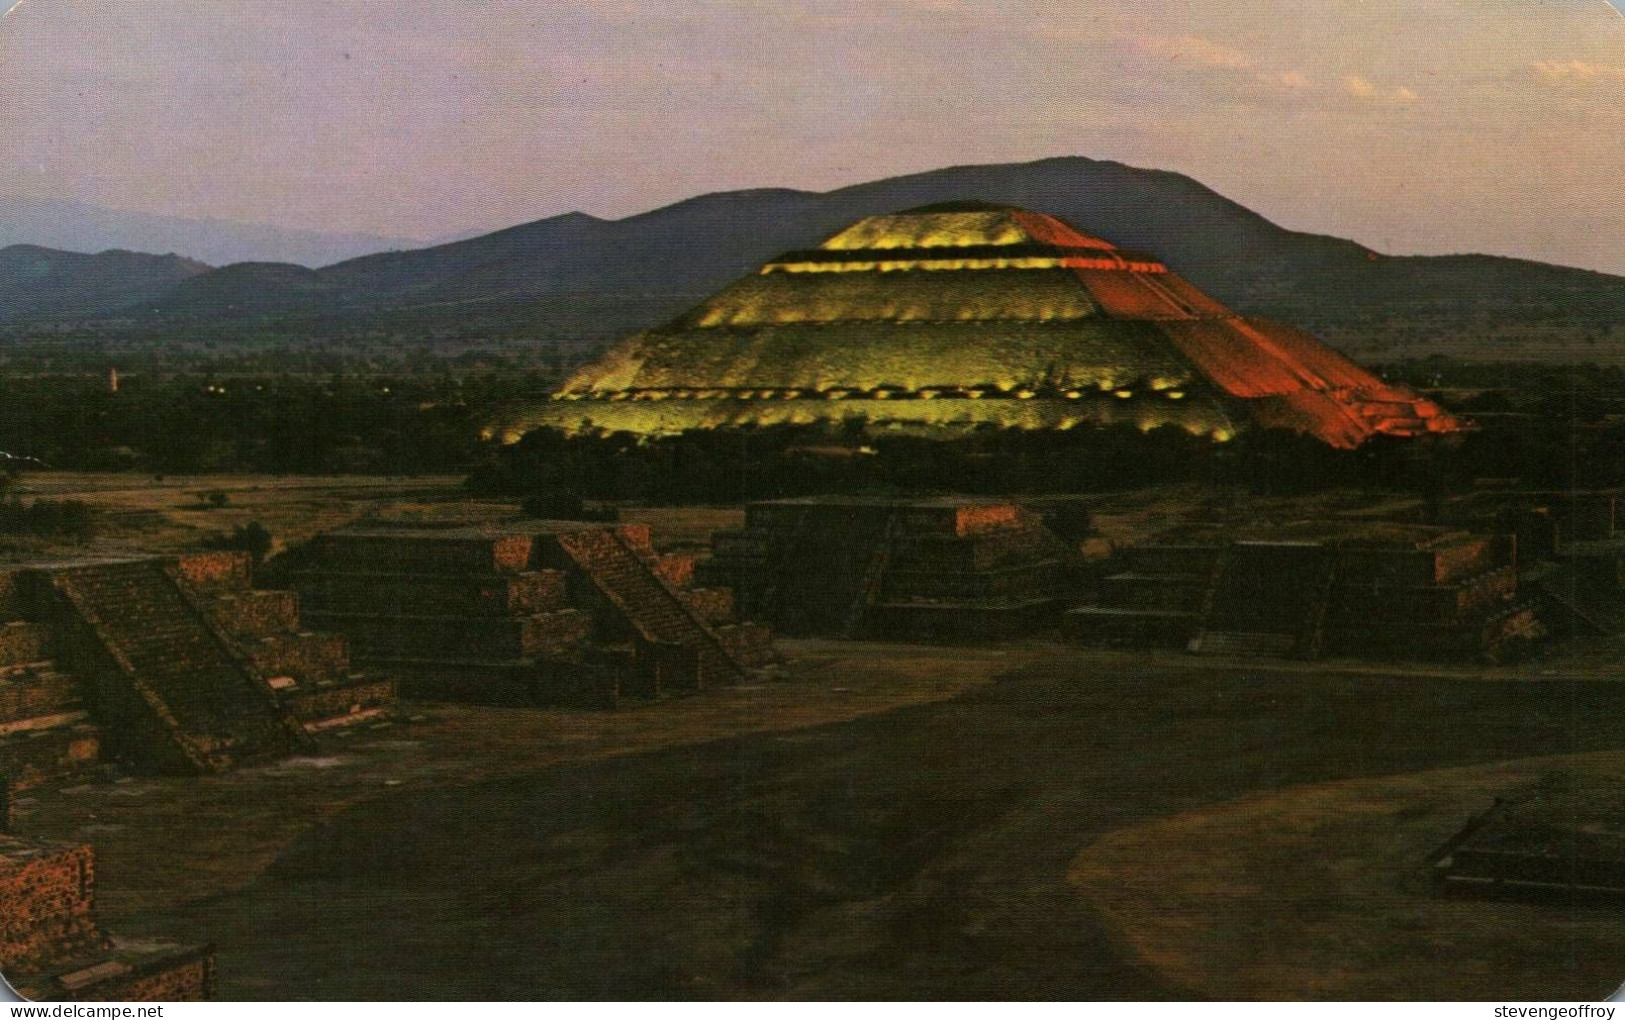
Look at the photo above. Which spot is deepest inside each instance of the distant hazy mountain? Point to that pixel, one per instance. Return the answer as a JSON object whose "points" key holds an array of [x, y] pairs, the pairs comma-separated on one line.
{"points": [[74, 226], [577, 276], [40, 282]]}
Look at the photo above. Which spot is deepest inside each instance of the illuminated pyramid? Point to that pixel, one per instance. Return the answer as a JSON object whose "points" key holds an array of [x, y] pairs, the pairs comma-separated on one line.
{"points": [[949, 317]]}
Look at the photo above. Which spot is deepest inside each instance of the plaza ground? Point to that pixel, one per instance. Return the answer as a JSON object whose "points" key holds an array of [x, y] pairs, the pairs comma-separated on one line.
{"points": [[882, 821]]}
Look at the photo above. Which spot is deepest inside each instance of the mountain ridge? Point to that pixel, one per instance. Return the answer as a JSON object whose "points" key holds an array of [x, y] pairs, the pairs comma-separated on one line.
{"points": [[638, 270], [82, 227]]}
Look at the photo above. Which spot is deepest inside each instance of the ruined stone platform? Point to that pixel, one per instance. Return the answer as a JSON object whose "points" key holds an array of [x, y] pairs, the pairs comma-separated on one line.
{"points": [[532, 612], [1314, 588], [162, 664], [1564, 835], [852, 566]]}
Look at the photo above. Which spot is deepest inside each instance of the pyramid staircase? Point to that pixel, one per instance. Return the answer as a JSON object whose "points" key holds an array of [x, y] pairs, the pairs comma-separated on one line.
{"points": [[166, 669], [830, 580], [1275, 622], [782, 575], [627, 580], [873, 582], [933, 568]]}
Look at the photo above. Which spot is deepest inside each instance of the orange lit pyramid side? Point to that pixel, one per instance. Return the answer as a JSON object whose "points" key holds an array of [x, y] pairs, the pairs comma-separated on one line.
{"points": [[958, 315]]}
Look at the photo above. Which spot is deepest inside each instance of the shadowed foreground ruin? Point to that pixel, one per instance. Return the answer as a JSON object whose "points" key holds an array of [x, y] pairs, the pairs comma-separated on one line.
{"points": [[1561, 837], [52, 948]]}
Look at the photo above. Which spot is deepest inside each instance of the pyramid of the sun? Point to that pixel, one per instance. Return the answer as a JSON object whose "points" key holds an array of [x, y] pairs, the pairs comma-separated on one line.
{"points": [[954, 316]]}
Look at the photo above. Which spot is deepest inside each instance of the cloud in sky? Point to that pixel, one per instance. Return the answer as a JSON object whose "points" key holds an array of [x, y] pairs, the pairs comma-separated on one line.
{"points": [[1564, 71], [1419, 125], [1362, 88], [1197, 50]]}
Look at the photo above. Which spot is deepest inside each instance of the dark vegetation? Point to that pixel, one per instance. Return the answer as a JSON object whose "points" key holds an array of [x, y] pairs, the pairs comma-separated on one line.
{"points": [[335, 416], [300, 411], [252, 538], [67, 519], [792, 460], [1545, 426]]}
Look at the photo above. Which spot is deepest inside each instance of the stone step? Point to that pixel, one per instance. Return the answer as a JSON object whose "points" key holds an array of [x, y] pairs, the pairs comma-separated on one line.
{"points": [[1243, 644]]}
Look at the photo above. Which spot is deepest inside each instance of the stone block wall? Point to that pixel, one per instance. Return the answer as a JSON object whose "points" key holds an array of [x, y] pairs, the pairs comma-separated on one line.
{"points": [[1172, 560], [1437, 565], [29, 693], [253, 614], [980, 519], [749, 644], [181, 974], [713, 605], [24, 642], [47, 894], [640, 537], [387, 551], [676, 569], [52, 948], [1025, 581], [325, 705], [216, 571], [32, 757], [1431, 604], [558, 636], [307, 655], [1178, 593], [408, 594]]}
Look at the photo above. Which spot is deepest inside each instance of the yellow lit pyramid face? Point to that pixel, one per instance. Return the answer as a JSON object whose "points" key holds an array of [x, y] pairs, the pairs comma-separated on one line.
{"points": [[963, 315], [932, 230]]}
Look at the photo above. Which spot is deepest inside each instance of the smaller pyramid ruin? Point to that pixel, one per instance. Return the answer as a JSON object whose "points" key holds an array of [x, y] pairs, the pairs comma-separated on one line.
{"points": [[852, 567], [1563, 835], [173, 664], [532, 612], [1313, 589]]}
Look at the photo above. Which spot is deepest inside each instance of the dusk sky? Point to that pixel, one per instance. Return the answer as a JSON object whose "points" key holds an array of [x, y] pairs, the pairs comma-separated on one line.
{"points": [[1410, 125]]}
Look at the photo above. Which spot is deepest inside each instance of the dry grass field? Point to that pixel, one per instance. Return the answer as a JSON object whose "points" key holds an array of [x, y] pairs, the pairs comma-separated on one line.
{"points": [[147, 514]]}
